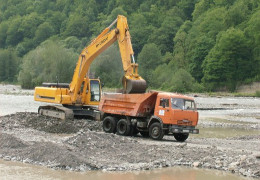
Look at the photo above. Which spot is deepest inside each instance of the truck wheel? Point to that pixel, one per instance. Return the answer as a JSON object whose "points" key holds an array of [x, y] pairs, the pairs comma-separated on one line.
{"points": [[123, 128], [144, 133], [109, 124], [156, 131], [181, 137]]}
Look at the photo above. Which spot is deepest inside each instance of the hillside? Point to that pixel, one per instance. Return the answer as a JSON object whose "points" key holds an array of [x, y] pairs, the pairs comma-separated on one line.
{"points": [[180, 45]]}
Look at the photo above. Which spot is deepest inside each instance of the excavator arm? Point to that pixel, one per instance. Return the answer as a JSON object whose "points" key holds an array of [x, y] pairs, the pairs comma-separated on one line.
{"points": [[132, 82], [73, 94]]}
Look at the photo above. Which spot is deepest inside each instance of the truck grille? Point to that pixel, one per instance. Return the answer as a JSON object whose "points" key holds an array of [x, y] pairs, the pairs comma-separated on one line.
{"points": [[184, 122]]}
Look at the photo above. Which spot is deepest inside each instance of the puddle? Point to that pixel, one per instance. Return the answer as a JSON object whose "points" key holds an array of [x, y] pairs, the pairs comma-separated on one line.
{"points": [[216, 132], [227, 119], [17, 170]]}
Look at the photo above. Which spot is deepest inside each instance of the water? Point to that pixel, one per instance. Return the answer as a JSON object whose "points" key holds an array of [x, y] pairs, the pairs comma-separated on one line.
{"points": [[227, 132], [17, 170]]}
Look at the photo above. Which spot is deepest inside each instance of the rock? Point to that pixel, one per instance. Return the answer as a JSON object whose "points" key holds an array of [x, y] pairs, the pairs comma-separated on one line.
{"points": [[243, 158], [27, 160], [233, 166], [207, 165], [7, 158], [182, 145], [242, 171], [257, 155], [196, 164]]}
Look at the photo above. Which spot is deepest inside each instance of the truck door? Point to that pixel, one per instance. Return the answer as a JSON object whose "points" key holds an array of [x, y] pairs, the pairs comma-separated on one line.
{"points": [[163, 110]]}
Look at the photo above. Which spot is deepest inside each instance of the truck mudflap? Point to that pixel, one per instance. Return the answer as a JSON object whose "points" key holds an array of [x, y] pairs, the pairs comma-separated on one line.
{"points": [[181, 129]]}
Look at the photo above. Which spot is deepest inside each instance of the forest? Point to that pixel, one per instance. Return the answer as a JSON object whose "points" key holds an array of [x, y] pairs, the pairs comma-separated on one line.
{"points": [[180, 45]]}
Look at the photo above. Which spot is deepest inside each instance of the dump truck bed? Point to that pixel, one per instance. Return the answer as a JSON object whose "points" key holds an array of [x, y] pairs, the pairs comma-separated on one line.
{"points": [[136, 105]]}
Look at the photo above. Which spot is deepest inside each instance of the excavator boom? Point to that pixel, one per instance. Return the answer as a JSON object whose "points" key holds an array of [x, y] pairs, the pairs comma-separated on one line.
{"points": [[132, 82], [83, 91]]}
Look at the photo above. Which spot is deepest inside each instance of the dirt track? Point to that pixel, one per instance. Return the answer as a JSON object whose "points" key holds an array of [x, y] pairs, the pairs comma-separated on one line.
{"points": [[81, 145]]}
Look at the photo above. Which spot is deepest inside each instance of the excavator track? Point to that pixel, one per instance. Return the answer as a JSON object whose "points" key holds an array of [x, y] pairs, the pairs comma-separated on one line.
{"points": [[59, 112]]}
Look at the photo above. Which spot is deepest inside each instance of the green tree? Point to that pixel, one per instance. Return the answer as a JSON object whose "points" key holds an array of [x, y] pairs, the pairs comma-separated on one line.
{"points": [[148, 59], [74, 43], [188, 7], [56, 19], [14, 35], [139, 30], [201, 7], [253, 35], [162, 75], [9, 63], [45, 63], [43, 32], [181, 45], [237, 13], [229, 62], [108, 67], [3, 33], [78, 26], [29, 24], [202, 37], [164, 35], [182, 81]]}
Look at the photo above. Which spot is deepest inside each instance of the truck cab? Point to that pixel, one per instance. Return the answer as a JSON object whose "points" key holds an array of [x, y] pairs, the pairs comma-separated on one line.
{"points": [[177, 113], [176, 109]]}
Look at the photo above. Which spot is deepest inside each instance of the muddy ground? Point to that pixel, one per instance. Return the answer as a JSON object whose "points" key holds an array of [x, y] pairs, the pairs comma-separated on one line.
{"points": [[81, 145]]}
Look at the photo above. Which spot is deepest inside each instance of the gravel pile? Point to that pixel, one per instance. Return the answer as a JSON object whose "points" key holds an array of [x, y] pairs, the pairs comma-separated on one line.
{"points": [[81, 145]]}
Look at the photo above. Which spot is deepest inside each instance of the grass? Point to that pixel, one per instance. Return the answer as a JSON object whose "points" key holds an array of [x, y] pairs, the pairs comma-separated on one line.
{"points": [[234, 94], [257, 93]]}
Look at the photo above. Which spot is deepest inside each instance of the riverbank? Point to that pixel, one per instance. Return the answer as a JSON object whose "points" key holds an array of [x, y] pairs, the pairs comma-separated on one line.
{"points": [[229, 140], [81, 145]]}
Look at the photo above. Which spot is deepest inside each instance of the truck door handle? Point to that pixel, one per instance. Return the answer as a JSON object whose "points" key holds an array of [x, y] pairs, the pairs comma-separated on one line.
{"points": [[167, 110]]}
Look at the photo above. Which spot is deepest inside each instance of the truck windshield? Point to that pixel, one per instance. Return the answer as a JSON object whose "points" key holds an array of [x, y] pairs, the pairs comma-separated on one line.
{"points": [[95, 90], [184, 104]]}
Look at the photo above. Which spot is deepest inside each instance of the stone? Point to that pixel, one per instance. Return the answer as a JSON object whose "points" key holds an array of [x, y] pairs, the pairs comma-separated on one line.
{"points": [[257, 155], [196, 164]]}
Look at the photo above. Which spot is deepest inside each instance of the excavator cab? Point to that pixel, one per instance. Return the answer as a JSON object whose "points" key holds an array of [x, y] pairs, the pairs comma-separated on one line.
{"points": [[91, 91]]}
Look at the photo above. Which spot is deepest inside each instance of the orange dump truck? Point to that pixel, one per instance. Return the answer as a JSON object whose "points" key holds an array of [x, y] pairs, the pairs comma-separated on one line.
{"points": [[153, 114]]}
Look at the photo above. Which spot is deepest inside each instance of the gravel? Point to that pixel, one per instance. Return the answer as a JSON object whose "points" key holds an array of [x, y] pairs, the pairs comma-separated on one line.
{"points": [[81, 145]]}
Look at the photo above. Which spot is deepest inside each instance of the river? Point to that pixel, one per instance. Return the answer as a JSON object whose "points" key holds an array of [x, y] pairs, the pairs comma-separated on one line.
{"points": [[17, 170]]}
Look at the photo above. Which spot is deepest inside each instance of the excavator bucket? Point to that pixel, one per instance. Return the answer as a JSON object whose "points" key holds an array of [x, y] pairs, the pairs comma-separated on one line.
{"points": [[132, 86]]}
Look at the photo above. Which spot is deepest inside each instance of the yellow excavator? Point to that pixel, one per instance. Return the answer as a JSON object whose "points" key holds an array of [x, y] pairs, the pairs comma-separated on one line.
{"points": [[82, 95]]}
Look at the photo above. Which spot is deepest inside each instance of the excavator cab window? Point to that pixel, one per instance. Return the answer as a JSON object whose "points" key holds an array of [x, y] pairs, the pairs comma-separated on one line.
{"points": [[95, 90]]}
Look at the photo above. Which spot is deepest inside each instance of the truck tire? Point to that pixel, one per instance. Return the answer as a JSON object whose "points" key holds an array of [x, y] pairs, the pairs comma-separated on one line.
{"points": [[155, 131], [123, 128], [181, 137], [109, 124]]}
